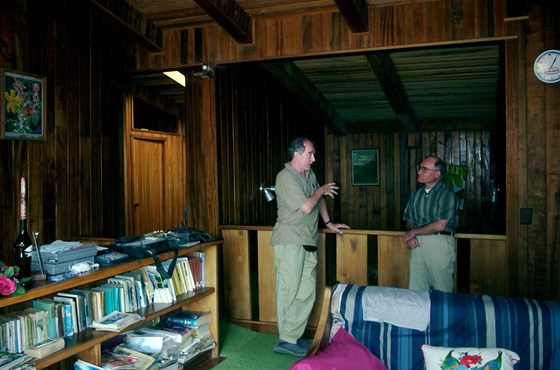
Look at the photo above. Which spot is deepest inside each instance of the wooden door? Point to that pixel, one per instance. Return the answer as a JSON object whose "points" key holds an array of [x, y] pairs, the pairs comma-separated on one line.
{"points": [[147, 183]]}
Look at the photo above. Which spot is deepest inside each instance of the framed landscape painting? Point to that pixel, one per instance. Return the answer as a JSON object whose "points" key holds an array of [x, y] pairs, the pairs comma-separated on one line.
{"points": [[22, 106], [365, 167]]}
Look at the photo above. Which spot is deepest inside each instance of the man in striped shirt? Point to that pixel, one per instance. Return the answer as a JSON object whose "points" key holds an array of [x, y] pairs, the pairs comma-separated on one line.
{"points": [[431, 219]]}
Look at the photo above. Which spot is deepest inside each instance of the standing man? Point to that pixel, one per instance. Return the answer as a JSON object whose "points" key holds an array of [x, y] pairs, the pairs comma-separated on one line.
{"points": [[294, 239], [431, 219]]}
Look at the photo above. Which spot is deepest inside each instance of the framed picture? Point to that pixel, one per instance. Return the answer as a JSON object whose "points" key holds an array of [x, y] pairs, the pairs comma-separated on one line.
{"points": [[22, 106], [365, 167]]}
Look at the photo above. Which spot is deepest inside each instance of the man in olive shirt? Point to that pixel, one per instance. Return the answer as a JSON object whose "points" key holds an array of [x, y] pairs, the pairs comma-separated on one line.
{"points": [[431, 216], [294, 239]]}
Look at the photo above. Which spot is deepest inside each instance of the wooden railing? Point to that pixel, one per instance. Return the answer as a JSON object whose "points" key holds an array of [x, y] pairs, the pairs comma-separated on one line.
{"points": [[366, 257]]}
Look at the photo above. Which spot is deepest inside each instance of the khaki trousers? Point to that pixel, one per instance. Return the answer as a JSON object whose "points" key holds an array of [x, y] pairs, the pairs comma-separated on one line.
{"points": [[296, 276], [432, 263]]}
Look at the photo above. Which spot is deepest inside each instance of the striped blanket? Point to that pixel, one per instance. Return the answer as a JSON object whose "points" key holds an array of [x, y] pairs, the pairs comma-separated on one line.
{"points": [[529, 327]]}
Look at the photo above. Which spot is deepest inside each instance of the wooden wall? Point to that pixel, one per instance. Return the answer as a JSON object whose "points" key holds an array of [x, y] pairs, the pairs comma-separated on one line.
{"points": [[256, 119], [75, 177]]}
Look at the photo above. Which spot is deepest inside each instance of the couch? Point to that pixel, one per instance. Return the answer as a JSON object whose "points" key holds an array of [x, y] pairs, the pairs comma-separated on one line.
{"points": [[505, 326]]}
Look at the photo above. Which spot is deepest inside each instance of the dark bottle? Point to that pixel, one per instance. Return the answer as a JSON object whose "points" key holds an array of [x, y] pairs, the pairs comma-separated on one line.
{"points": [[22, 241]]}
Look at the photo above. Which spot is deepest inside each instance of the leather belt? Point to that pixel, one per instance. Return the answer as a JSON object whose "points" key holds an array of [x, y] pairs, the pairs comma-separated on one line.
{"points": [[445, 233]]}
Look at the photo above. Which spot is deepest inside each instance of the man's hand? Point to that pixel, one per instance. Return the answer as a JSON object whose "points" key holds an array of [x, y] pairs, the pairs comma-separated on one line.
{"points": [[337, 227], [329, 189], [410, 239]]}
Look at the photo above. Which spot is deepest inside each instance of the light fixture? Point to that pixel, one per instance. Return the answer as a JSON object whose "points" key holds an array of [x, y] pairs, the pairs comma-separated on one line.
{"points": [[176, 76], [206, 71], [268, 192]]}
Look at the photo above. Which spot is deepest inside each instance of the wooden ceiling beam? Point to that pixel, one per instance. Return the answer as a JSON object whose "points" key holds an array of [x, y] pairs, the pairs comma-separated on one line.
{"points": [[295, 81], [231, 17], [355, 13], [128, 19], [392, 87]]}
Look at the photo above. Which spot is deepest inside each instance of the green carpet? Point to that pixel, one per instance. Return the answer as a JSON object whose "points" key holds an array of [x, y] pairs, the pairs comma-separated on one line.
{"points": [[245, 349]]}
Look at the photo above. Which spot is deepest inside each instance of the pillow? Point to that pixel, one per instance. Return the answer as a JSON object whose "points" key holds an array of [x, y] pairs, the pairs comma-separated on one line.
{"points": [[342, 352], [443, 358]]}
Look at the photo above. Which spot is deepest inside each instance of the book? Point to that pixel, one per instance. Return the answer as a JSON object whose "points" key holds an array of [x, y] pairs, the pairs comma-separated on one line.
{"points": [[84, 365], [10, 360], [86, 295], [45, 348], [189, 318], [144, 360], [79, 306], [116, 321], [48, 306], [177, 329], [112, 360], [69, 315]]}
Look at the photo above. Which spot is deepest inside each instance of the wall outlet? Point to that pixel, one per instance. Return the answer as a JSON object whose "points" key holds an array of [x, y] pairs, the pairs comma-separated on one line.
{"points": [[526, 216]]}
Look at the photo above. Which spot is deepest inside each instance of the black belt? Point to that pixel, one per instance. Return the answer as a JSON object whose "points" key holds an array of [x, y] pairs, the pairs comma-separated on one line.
{"points": [[445, 233]]}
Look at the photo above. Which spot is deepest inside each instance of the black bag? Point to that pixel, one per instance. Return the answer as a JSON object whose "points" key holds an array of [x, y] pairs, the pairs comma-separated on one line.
{"points": [[148, 246]]}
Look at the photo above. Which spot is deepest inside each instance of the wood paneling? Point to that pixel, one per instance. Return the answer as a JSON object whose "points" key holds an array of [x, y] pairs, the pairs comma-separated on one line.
{"points": [[76, 176]]}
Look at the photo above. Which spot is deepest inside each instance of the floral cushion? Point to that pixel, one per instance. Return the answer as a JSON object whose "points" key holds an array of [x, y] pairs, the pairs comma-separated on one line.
{"points": [[444, 358]]}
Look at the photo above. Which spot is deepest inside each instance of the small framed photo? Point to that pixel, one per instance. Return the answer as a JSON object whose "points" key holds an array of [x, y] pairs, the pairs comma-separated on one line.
{"points": [[365, 167], [22, 106]]}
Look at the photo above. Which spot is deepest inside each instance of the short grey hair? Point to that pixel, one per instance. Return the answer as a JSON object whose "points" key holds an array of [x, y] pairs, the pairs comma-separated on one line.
{"points": [[297, 146]]}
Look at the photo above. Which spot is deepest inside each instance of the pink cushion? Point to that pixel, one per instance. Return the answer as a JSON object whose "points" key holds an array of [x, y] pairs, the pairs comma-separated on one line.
{"points": [[343, 352]]}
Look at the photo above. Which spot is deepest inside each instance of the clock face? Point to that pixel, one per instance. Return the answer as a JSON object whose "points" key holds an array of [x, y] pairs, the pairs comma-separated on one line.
{"points": [[547, 66]]}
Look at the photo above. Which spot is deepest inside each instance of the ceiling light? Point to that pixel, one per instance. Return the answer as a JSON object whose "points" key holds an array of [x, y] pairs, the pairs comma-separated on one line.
{"points": [[176, 76]]}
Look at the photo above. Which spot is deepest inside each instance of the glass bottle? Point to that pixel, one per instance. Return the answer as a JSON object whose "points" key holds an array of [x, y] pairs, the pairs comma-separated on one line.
{"points": [[21, 259]]}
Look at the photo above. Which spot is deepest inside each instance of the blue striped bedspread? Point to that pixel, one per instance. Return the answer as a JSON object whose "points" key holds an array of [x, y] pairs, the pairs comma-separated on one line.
{"points": [[529, 327]]}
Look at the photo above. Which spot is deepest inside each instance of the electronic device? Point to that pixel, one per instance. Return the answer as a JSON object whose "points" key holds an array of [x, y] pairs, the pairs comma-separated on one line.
{"points": [[111, 257]]}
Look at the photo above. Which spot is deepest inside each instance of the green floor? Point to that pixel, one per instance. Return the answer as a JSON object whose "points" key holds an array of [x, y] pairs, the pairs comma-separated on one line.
{"points": [[245, 349]]}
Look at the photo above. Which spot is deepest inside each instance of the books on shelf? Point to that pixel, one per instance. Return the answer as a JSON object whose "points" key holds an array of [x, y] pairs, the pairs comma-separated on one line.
{"points": [[84, 365], [189, 318], [112, 360], [116, 321], [11, 360], [143, 360], [45, 348], [19, 330]]}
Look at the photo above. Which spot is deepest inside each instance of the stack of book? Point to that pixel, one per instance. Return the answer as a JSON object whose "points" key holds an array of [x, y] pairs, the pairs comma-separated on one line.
{"points": [[116, 321], [188, 275], [20, 330], [75, 310], [45, 348], [12, 361], [121, 358]]}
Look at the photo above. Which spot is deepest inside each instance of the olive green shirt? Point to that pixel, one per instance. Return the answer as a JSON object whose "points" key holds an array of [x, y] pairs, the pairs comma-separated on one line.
{"points": [[294, 226], [439, 203]]}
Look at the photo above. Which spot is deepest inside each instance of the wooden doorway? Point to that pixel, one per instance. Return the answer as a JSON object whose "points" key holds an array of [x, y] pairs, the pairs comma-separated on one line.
{"points": [[147, 182]]}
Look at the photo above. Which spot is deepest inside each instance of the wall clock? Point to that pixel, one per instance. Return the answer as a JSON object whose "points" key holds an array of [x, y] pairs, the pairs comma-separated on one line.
{"points": [[547, 66]]}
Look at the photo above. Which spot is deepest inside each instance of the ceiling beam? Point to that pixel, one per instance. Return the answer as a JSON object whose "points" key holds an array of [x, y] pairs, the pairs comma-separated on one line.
{"points": [[355, 12], [295, 81], [231, 17], [132, 22], [392, 87]]}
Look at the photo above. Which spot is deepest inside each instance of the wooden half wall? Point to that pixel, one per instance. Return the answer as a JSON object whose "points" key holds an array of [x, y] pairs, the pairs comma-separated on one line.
{"points": [[249, 277]]}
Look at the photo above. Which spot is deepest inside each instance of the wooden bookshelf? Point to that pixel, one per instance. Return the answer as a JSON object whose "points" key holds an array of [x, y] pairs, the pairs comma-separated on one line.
{"points": [[86, 345]]}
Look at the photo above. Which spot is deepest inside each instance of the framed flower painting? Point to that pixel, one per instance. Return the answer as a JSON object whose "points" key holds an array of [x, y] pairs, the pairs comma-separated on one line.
{"points": [[22, 106]]}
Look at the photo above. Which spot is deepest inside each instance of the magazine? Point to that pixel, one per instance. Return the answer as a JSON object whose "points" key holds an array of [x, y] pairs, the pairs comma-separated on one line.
{"points": [[116, 321]]}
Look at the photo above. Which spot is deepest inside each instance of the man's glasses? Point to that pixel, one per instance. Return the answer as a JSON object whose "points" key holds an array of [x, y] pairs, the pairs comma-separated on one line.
{"points": [[424, 169]]}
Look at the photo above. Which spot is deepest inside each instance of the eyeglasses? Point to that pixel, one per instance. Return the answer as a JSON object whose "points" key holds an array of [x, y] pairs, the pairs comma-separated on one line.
{"points": [[422, 169]]}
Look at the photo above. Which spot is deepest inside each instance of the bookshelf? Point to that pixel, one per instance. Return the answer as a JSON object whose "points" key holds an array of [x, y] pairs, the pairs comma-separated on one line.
{"points": [[86, 345]]}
